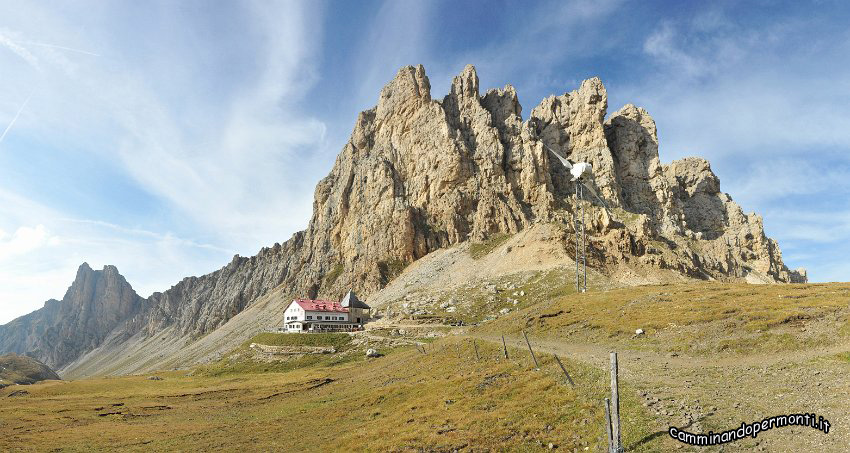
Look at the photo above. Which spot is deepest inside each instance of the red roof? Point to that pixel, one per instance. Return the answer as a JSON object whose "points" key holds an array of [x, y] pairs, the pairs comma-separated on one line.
{"points": [[321, 305]]}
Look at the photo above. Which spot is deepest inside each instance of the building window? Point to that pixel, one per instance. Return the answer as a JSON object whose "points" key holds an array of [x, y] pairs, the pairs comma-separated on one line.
{"points": [[309, 317]]}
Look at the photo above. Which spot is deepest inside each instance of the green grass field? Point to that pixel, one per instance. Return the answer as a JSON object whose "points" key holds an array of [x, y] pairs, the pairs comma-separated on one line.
{"points": [[337, 340]]}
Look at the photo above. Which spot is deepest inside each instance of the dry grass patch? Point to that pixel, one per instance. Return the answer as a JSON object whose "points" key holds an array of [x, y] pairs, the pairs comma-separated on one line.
{"points": [[479, 250], [701, 317], [405, 401]]}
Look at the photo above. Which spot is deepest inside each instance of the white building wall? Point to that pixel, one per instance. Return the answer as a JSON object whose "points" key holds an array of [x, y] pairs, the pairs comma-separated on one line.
{"points": [[314, 316], [294, 312]]}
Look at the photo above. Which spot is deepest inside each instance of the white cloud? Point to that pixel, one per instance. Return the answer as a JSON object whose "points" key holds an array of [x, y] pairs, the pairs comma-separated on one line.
{"points": [[663, 45], [783, 178], [722, 89], [807, 226], [24, 240]]}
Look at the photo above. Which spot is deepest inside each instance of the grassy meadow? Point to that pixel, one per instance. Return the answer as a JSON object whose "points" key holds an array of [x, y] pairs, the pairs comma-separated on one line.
{"points": [[447, 400], [405, 401]]}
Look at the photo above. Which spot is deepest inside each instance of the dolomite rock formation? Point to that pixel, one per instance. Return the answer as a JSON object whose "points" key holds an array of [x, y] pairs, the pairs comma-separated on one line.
{"points": [[95, 304], [419, 174]]}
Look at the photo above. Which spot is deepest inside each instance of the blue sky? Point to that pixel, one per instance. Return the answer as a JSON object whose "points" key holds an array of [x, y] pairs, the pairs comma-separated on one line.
{"points": [[164, 137]]}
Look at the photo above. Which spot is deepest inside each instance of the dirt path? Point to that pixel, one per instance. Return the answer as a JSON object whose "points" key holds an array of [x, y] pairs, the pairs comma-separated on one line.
{"points": [[718, 394]]}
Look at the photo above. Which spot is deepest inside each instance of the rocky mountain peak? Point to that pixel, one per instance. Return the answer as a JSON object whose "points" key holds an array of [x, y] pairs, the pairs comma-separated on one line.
{"points": [[465, 84], [428, 174], [420, 174], [94, 304], [407, 91]]}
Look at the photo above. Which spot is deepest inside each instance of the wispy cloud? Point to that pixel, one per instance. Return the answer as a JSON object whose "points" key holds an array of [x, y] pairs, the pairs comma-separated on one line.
{"points": [[664, 46], [202, 127], [15, 118], [761, 89], [56, 46], [785, 177], [17, 49]]}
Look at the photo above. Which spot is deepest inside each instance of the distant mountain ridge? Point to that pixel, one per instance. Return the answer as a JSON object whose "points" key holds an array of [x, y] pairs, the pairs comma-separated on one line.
{"points": [[95, 303], [418, 175]]}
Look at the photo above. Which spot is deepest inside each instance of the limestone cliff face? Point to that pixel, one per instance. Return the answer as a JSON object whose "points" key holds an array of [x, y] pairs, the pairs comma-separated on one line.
{"points": [[419, 174]]}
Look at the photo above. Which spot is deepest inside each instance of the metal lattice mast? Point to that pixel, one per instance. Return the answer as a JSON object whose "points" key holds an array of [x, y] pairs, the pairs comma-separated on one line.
{"points": [[576, 229]]}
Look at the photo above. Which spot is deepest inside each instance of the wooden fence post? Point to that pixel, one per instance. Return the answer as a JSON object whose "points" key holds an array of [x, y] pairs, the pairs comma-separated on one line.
{"points": [[615, 406], [569, 379], [505, 347], [475, 345], [536, 365]]}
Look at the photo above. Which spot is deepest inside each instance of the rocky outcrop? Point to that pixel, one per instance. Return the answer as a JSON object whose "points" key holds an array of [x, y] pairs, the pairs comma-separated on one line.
{"points": [[419, 174], [198, 305], [684, 206]]}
